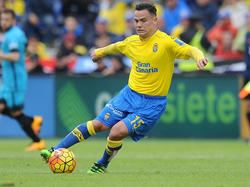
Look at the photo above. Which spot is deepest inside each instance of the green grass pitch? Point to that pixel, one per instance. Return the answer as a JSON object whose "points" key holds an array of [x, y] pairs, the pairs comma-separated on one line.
{"points": [[150, 162]]}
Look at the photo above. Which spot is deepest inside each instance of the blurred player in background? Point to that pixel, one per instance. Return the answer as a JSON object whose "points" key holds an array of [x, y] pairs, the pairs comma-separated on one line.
{"points": [[14, 79], [138, 106], [245, 92]]}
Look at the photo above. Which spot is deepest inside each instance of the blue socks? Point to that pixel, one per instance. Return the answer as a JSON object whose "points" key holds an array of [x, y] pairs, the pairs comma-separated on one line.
{"points": [[80, 133], [111, 150]]}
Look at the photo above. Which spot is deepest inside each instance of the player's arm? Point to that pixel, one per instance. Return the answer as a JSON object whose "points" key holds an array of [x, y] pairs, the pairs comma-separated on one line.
{"points": [[97, 54], [11, 57], [198, 56], [13, 47]]}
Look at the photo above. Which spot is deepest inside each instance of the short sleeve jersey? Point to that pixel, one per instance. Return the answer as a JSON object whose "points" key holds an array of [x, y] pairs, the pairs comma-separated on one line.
{"points": [[14, 73], [152, 61]]}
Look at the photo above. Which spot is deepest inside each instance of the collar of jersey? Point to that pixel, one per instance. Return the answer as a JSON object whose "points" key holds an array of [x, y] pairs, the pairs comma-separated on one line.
{"points": [[146, 39]]}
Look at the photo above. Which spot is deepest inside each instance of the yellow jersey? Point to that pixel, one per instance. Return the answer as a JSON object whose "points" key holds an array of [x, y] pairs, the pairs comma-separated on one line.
{"points": [[115, 17], [152, 61]]}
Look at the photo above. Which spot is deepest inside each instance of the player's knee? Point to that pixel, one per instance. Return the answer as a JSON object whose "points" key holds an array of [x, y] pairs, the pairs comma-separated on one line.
{"points": [[15, 113], [99, 126], [2, 107], [115, 136], [118, 133]]}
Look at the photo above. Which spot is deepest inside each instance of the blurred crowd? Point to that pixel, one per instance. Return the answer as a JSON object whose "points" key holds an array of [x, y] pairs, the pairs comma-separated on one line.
{"points": [[62, 33]]}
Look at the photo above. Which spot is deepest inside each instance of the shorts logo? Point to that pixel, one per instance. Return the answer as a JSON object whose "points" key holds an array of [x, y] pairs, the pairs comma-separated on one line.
{"points": [[115, 111], [107, 116], [155, 48]]}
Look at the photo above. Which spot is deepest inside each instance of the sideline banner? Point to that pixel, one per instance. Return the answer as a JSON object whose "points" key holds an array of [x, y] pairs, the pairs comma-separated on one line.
{"points": [[39, 100], [198, 107]]}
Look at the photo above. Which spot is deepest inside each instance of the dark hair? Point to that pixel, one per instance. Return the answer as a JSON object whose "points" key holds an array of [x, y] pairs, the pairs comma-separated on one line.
{"points": [[9, 11], [146, 6]]}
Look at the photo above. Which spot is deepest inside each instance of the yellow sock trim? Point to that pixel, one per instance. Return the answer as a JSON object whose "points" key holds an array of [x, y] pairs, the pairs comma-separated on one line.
{"points": [[114, 144], [78, 134], [90, 128], [108, 150]]}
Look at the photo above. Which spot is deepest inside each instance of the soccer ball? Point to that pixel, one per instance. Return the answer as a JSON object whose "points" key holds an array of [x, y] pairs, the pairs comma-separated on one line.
{"points": [[62, 161]]}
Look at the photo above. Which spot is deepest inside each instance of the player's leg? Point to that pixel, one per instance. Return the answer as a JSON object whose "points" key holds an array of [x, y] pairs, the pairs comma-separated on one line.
{"points": [[248, 115], [114, 143], [80, 133], [245, 94], [12, 102], [134, 125], [26, 124], [35, 121], [106, 119]]}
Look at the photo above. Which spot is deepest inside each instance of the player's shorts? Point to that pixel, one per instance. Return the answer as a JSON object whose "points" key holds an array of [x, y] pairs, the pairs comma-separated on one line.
{"points": [[13, 100], [139, 112]]}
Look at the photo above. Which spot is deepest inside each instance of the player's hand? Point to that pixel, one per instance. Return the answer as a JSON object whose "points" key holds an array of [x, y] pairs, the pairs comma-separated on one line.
{"points": [[202, 63], [94, 57]]}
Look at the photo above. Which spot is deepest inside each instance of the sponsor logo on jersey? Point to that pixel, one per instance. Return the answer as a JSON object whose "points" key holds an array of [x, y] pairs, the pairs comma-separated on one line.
{"points": [[145, 68]]}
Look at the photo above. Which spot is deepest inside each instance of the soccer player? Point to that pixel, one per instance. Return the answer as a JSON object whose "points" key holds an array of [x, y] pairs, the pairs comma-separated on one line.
{"points": [[14, 78], [245, 92], [140, 104]]}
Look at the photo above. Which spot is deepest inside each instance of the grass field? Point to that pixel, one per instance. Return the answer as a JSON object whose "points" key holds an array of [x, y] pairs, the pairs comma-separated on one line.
{"points": [[149, 162]]}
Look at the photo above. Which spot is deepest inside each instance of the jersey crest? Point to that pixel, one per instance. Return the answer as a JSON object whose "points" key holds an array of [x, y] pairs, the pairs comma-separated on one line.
{"points": [[155, 47]]}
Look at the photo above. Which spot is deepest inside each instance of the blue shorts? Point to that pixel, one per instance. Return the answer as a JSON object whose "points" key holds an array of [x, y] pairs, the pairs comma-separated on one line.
{"points": [[13, 100], [138, 111]]}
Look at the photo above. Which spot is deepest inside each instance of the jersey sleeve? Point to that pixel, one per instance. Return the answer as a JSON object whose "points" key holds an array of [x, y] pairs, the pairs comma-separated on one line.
{"points": [[180, 49], [121, 46], [115, 48], [12, 44]]}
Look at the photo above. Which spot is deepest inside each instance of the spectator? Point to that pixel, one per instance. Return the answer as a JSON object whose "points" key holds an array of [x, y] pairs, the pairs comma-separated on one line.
{"points": [[224, 50], [238, 10], [71, 25], [100, 67], [181, 27], [2, 5], [86, 11], [40, 19], [116, 67], [114, 13], [109, 65], [37, 56], [130, 26], [223, 24], [208, 11], [172, 13], [195, 35], [239, 41], [17, 5], [32, 26], [67, 54], [32, 59], [101, 29]]}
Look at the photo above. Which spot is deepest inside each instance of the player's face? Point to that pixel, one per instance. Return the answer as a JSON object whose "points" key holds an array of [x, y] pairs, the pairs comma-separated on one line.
{"points": [[7, 21], [145, 23]]}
